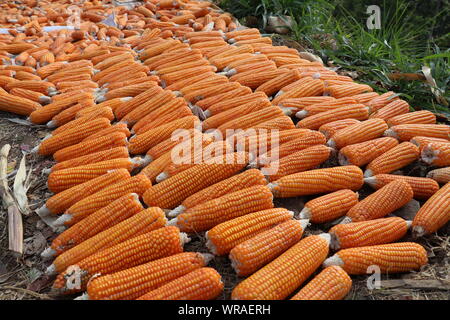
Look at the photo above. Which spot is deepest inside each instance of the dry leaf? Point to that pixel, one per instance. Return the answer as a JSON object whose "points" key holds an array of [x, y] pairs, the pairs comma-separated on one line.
{"points": [[20, 187]]}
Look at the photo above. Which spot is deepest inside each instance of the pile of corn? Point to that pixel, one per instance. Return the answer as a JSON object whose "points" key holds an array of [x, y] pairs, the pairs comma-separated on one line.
{"points": [[114, 91]]}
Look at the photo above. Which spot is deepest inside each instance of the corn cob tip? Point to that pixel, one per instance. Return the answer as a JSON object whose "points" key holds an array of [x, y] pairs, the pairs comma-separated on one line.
{"points": [[408, 224], [184, 238], [207, 257], [45, 99], [304, 223], [335, 260], [272, 186], [173, 222], [231, 72], [252, 165], [162, 176], [305, 213], [51, 270], [51, 124], [418, 231], [48, 253], [35, 149], [62, 220], [325, 236], [175, 212], [100, 98], [43, 211], [84, 296], [390, 133], [139, 162], [331, 143], [335, 243], [428, 155], [177, 93], [368, 173], [206, 113], [346, 220], [210, 245], [286, 110], [371, 181], [301, 114]]}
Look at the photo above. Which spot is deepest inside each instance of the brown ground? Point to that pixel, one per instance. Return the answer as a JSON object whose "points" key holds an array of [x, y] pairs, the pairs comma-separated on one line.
{"points": [[22, 278]]}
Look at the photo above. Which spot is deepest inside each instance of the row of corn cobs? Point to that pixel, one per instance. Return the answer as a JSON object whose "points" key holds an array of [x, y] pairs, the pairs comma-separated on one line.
{"points": [[168, 65]]}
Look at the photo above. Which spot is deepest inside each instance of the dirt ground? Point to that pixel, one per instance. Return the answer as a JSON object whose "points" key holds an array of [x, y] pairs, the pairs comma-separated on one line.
{"points": [[23, 278]]}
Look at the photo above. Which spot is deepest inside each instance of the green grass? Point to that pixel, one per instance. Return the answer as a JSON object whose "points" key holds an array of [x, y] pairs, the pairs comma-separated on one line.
{"points": [[402, 45]]}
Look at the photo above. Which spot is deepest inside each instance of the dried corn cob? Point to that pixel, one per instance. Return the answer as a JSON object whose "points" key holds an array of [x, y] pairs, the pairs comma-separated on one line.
{"points": [[348, 90], [204, 104], [306, 87], [82, 209], [299, 161], [368, 233], [347, 112], [224, 105], [441, 175], [393, 109], [225, 236], [187, 287], [330, 128], [132, 104], [71, 136], [365, 98], [135, 282], [113, 213], [172, 191], [436, 154], [332, 283], [318, 181], [434, 214], [357, 133], [157, 244], [360, 154], [143, 142], [421, 142], [387, 199], [390, 258], [205, 215], [379, 102], [167, 145], [417, 117], [273, 86], [31, 95], [94, 115], [142, 222], [423, 188], [116, 139], [118, 127], [66, 178], [252, 254], [393, 159], [329, 207], [286, 273], [18, 105], [405, 132], [313, 109]]}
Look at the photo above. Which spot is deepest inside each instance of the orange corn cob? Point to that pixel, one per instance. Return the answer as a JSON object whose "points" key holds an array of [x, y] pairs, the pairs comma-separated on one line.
{"points": [[318, 181], [31, 95], [273, 86], [138, 78], [252, 254], [114, 153], [204, 216], [279, 123], [172, 191], [177, 85], [225, 236], [102, 219], [259, 66], [393, 109], [71, 136], [157, 166], [137, 184], [368, 233], [360, 154], [389, 258], [245, 61], [200, 284], [94, 115], [233, 102], [165, 146], [135, 282], [434, 214], [118, 127], [357, 133], [387, 199], [313, 109], [170, 78], [282, 276], [441, 175], [347, 112], [58, 203], [132, 104], [181, 66], [332, 283], [170, 58], [227, 58], [436, 154], [330, 128], [329, 207], [405, 132], [299, 161], [423, 188], [421, 142], [365, 98], [150, 105], [301, 142], [142, 222], [118, 57], [348, 90], [417, 117], [66, 178], [22, 75], [293, 105], [157, 244], [211, 91], [143, 142], [393, 159], [307, 87], [129, 91], [379, 102], [253, 81], [247, 179], [204, 104], [18, 105], [116, 139]]}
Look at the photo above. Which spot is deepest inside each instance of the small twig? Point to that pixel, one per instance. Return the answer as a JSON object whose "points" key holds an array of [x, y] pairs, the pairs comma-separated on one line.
{"points": [[26, 291]]}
